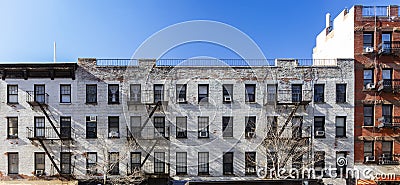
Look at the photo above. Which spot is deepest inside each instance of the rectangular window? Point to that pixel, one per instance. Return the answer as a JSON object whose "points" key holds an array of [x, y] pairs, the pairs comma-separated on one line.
{"points": [[181, 163], [272, 122], [159, 162], [91, 161], [158, 93], [203, 127], [340, 93], [340, 126], [65, 160], [250, 93], [387, 78], [13, 162], [387, 114], [159, 126], [250, 127], [319, 126], [227, 93], [136, 161], [113, 163], [135, 93], [341, 164], [136, 126], [368, 115], [203, 163], [203, 93], [386, 42], [297, 161], [65, 93], [65, 129], [91, 93], [227, 126], [297, 94], [228, 163], [319, 162], [39, 127], [181, 127], [12, 127], [319, 93], [113, 93], [181, 93], [368, 40], [387, 150], [12, 94], [39, 162], [297, 124], [250, 163], [113, 127], [368, 151], [271, 93], [40, 93], [368, 77], [91, 126]]}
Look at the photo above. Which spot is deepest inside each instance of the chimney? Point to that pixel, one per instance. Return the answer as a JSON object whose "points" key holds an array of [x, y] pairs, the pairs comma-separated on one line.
{"points": [[328, 20]]}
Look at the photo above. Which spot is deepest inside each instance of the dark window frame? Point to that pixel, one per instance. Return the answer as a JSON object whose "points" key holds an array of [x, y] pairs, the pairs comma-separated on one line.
{"points": [[113, 98], [39, 128], [227, 91], [90, 164], [91, 128], [65, 127], [250, 93], [340, 128], [341, 93], [227, 162], [203, 126], [203, 98], [65, 93], [297, 92], [368, 117], [11, 127], [387, 114], [159, 126], [250, 126], [113, 165], [64, 162], [250, 163], [319, 125], [159, 164], [181, 165], [319, 97], [158, 95], [181, 93], [368, 42], [113, 124], [203, 163], [12, 93], [181, 127], [38, 162], [297, 129], [368, 153], [367, 80], [136, 165], [40, 94], [13, 159], [91, 93], [227, 126]]}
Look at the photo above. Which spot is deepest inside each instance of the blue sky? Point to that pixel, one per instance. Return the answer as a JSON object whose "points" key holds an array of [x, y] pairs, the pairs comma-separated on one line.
{"points": [[115, 29]]}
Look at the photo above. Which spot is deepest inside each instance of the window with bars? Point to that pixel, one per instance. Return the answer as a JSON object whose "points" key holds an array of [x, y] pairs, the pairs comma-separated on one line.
{"points": [[12, 94], [65, 161], [65, 93], [368, 115], [91, 162], [340, 93], [203, 163], [39, 161], [227, 126], [250, 127], [228, 163], [227, 93], [203, 127], [113, 93], [203, 93], [91, 126], [136, 160], [181, 93], [12, 127], [158, 93], [91, 93], [181, 163], [113, 127], [340, 126], [113, 164], [13, 162], [319, 93], [250, 92], [250, 163], [181, 127], [159, 162]]}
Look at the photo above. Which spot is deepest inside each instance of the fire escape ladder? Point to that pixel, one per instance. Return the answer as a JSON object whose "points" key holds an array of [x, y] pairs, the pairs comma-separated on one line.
{"points": [[149, 152], [48, 118], [296, 106], [151, 114], [291, 151], [49, 155]]}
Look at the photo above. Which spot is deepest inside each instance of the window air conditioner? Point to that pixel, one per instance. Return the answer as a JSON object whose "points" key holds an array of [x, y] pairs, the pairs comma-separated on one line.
{"points": [[319, 133], [181, 100], [250, 134], [38, 172], [227, 98], [93, 118], [113, 134], [369, 49], [369, 158], [370, 86], [203, 134]]}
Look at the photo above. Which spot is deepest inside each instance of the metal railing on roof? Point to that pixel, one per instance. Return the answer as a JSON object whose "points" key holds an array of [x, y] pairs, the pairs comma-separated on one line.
{"points": [[316, 62], [372, 11], [116, 62], [216, 62]]}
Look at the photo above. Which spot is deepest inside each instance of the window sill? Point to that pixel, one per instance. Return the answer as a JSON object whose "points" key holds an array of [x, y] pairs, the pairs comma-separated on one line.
{"points": [[320, 102], [367, 126], [341, 137], [228, 137], [91, 103], [251, 102], [114, 137], [319, 137], [342, 102], [65, 103], [203, 137], [12, 103], [91, 138], [12, 138], [181, 137], [113, 103]]}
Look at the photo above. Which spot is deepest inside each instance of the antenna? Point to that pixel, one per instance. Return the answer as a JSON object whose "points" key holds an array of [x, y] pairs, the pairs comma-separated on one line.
{"points": [[54, 53]]}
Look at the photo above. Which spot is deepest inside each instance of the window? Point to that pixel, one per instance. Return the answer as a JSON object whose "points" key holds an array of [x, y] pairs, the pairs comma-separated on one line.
{"points": [[387, 150], [159, 126], [91, 126], [91, 161], [40, 93], [368, 76], [297, 123], [341, 164], [340, 93], [250, 129], [228, 163], [65, 160], [203, 163], [65, 129], [319, 93], [340, 126], [387, 114], [135, 93], [319, 126], [203, 127], [368, 40], [113, 127], [113, 163], [12, 130], [40, 161], [13, 162], [181, 127], [203, 93], [158, 93], [368, 151], [386, 42], [65, 93], [39, 127], [91, 93], [250, 92], [12, 93], [136, 161], [271, 93], [272, 162], [159, 162], [297, 95], [181, 163], [387, 78], [368, 115], [136, 128], [297, 161], [272, 122], [181, 93], [227, 126], [250, 163], [319, 162], [113, 94], [227, 93]]}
